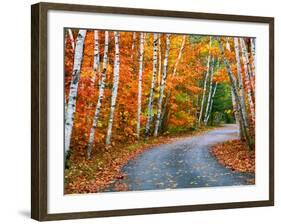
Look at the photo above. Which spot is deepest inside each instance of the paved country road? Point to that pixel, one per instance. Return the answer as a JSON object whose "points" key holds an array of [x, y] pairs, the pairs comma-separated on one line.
{"points": [[185, 163]]}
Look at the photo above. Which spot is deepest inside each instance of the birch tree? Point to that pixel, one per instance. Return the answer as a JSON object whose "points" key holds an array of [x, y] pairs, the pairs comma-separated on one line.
{"points": [[210, 92], [71, 107], [212, 101], [114, 88], [236, 113], [240, 81], [100, 98], [245, 52], [205, 84], [72, 41], [236, 93], [140, 82], [162, 87], [253, 50], [160, 59], [96, 64], [247, 65], [154, 71], [133, 44], [248, 83], [69, 33], [173, 75]]}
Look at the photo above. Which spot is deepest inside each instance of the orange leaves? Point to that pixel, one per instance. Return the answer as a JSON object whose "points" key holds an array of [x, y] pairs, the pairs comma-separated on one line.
{"points": [[129, 131], [194, 89], [185, 87], [221, 76], [87, 63], [235, 155]]}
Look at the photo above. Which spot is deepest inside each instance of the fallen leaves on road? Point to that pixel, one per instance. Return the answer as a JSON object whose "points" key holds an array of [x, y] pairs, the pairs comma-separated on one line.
{"points": [[235, 155], [90, 176]]}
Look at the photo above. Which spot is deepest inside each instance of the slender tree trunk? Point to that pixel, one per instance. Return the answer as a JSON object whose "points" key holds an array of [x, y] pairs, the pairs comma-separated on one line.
{"points": [[227, 44], [133, 44], [71, 38], [245, 52], [210, 92], [100, 98], [240, 81], [154, 71], [205, 84], [253, 50], [236, 114], [96, 66], [140, 82], [173, 75], [160, 60], [78, 55], [248, 84], [114, 88], [69, 33], [236, 94], [212, 101], [162, 87], [247, 62]]}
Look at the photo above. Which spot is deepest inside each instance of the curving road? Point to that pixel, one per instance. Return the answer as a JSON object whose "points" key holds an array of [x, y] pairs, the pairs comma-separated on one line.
{"points": [[186, 163]]}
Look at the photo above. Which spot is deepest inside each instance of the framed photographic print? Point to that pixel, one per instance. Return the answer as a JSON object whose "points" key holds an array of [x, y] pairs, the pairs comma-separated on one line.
{"points": [[138, 111]]}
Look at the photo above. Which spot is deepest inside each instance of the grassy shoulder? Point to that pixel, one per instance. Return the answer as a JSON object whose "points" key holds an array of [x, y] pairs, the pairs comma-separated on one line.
{"points": [[235, 155], [89, 176]]}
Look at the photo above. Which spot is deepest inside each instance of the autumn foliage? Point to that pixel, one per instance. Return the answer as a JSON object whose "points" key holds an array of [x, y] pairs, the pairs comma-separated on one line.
{"points": [[180, 109]]}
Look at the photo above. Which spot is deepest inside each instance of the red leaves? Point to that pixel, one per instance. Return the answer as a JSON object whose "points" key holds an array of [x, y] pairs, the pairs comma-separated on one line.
{"points": [[235, 155]]}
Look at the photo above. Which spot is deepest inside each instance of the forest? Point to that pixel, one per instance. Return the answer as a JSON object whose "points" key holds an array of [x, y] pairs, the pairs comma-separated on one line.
{"points": [[128, 91]]}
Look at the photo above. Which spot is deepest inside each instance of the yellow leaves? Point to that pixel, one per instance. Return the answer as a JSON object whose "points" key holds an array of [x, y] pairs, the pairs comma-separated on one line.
{"points": [[99, 124], [215, 52], [228, 111], [221, 76], [109, 68], [87, 72], [204, 50], [194, 89]]}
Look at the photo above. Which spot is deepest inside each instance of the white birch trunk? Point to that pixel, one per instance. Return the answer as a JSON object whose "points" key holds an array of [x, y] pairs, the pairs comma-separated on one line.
{"points": [[247, 61], [234, 105], [140, 82], [173, 74], [253, 50], [227, 44], [100, 98], [245, 52], [71, 107], [162, 87], [248, 86], [240, 81], [179, 56], [236, 113], [154, 71], [160, 60], [236, 93], [114, 88], [96, 65], [133, 44], [210, 92], [71, 38], [69, 33], [205, 84], [211, 103]]}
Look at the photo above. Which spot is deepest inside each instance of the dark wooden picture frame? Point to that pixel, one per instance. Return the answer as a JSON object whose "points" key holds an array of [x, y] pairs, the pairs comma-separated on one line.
{"points": [[39, 121]]}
